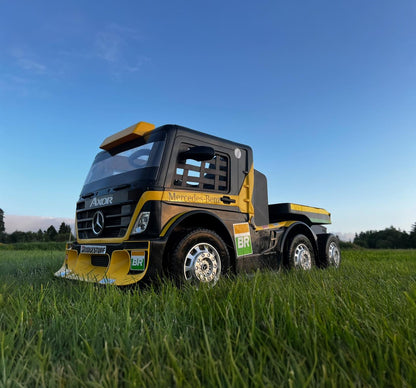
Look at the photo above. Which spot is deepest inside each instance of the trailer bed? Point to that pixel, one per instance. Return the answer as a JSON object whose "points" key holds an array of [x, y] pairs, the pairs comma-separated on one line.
{"points": [[292, 211]]}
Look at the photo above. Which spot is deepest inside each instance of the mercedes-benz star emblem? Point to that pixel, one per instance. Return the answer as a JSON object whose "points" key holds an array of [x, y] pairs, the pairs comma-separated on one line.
{"points": [[98, 223]]}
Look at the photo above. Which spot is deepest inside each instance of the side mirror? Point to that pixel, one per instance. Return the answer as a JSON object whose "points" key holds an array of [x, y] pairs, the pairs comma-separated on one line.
{"points": [[198, 153]]}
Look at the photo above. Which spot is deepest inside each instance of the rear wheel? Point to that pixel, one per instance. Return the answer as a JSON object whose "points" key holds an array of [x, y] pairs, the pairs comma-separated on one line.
{"points": [[200, 257], [300, 254], [329, 251]]}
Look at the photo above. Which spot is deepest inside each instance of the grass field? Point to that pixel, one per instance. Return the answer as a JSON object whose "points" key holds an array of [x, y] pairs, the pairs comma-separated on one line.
{"points": [[355, 326]]}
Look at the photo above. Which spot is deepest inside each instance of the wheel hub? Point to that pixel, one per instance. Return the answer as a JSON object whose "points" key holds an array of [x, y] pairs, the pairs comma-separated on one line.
{"points": [[334, 254], [202, 263], [303, 257]]}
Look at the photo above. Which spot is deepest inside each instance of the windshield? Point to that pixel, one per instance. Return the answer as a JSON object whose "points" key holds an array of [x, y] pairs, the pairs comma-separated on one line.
{"points": [[106, 165]]}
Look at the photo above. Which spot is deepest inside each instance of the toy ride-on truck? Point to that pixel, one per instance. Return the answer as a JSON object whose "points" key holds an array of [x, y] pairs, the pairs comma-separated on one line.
{"points": [[171, 200]]}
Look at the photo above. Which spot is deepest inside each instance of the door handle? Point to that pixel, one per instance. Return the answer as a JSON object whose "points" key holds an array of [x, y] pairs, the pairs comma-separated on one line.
{"points": [[227, 200]]}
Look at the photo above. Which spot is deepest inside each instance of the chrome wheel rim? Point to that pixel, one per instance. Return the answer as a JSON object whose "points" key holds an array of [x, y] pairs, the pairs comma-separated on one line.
{"points": [[202, 264], [302, 257], [334, 254]]}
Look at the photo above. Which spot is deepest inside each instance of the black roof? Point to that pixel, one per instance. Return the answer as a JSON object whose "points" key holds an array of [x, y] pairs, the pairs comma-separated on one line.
{"points": [[198, 135]]}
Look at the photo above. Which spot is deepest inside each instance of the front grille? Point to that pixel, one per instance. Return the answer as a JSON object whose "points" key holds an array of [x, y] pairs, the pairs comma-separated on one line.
{"points": [[116, 221]]}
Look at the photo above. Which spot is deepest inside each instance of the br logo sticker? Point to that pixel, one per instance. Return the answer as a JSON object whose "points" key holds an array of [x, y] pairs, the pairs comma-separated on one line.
{"points": [[242, 239], [138, 261]]}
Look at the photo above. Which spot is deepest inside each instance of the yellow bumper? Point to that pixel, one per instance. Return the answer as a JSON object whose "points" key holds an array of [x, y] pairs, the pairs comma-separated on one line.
{"points": [[113, 269]]}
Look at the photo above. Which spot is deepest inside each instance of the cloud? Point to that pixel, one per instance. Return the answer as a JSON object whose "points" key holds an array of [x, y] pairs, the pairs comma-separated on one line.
{"points": [[31, 65], [34, 223], [117, 46], [114, 46], [345, 236], [24, 75], [27, 62], [108, 46]]}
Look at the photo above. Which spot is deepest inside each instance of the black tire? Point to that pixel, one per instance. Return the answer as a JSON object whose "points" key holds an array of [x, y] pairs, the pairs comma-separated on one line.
{"points": [[200, 257], [329, 251], [300, 253]]}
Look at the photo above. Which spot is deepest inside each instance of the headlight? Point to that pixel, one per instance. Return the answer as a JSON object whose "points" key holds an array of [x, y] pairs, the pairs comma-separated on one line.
{"points": [[141, 222]]}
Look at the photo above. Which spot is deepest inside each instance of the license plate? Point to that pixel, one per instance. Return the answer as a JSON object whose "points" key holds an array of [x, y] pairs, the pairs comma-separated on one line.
{"points": [[94, 249]]}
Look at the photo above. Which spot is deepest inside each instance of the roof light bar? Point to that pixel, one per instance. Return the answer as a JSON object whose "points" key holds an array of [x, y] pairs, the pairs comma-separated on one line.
{"points": [[137, 130]]}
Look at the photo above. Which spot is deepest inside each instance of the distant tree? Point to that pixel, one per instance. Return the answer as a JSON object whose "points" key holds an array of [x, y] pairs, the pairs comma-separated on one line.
{"points": [[17, 237], [51, 233], [2, 228], [64, 228], [39, 235], [64, 233], [412, 236], [389, 238]]}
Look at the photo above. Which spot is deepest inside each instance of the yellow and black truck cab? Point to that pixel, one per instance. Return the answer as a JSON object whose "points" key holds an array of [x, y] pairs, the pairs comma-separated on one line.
{"points": [[178, 202]]}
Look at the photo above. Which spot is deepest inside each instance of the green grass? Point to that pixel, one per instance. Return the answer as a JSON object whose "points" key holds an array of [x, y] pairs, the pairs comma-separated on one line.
{"points": [[355, 326], [31, 246]]}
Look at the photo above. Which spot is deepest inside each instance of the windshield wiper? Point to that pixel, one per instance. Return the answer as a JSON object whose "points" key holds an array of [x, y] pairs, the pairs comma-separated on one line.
{"points": [[123, 186], [87, 195]]}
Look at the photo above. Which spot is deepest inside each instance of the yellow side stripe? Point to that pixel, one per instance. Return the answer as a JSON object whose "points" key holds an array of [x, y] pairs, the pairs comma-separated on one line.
{"points": [[276, 225], [243, 201], [308, 209], [169, 224]]}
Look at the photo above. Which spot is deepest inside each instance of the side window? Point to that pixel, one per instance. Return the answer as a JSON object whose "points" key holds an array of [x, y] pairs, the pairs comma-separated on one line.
{"points": [[207, 175]]}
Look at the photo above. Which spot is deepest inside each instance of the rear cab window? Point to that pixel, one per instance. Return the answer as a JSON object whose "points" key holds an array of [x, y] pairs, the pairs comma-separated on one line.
{"points": [[208, 175]]}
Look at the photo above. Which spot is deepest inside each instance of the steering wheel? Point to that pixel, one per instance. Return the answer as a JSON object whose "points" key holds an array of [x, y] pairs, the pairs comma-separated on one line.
{"points": [[134, 158]]}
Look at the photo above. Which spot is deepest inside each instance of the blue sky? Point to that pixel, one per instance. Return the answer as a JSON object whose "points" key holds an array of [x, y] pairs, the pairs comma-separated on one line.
{"points": [[323, 91]]}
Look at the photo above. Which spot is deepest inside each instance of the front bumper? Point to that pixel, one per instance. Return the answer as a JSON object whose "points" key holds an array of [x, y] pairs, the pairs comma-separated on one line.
{"points": [[120, 265]]}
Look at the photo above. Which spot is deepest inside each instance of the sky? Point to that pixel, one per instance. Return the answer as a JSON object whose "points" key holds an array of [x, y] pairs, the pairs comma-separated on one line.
{"points": [[323, 91]]}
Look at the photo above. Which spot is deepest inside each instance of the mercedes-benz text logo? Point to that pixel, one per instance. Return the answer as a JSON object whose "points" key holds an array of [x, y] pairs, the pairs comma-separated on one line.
{"points": [[98, 223]]}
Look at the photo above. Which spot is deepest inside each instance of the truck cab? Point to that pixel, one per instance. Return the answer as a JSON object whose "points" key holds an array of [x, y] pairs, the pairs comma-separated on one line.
{"points": [[178, 202]]}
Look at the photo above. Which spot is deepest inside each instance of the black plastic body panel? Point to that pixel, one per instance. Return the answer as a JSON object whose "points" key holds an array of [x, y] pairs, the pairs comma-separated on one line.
{"points": [[283, 212]]}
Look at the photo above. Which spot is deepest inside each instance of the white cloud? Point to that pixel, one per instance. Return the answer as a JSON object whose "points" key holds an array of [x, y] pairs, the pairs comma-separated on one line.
{"points": [[31, 65], [27, 62], [345, 236], [109, 46], [117, 46], [34, 223]]}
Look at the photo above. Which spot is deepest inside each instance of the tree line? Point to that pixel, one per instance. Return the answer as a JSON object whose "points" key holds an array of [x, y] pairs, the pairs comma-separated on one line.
{"points": [[389, 238], [51, 234]]}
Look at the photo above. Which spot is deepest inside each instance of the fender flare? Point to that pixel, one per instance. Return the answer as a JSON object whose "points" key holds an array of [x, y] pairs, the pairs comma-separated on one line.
{"points": [[175, 221], [209, 220], [298, 227]]}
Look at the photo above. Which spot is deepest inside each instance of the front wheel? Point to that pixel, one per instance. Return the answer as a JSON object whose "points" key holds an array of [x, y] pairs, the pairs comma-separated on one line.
{"points": [[300, 254], [200, 257]]}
